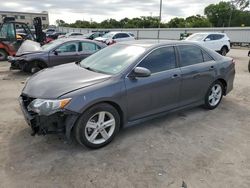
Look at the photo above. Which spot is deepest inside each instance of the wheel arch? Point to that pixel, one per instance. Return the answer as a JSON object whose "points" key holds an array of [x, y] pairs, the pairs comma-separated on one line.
{"points": [[69, 130], [224, 83], [116, 106], [41, 62], [225, 46], [5, 51]]}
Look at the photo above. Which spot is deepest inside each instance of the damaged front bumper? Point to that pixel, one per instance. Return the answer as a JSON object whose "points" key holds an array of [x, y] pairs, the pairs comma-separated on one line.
{"points": [[17, 63], [60, 122]]}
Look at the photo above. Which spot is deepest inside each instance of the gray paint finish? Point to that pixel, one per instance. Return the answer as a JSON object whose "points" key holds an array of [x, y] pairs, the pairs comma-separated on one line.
{"points": [[30, 52], [137, 98]]}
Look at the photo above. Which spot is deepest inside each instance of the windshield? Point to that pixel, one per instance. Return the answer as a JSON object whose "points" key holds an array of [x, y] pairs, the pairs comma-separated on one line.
{"points": [[51, 45], [108, 35], [196, 37], [113, 59], [88, 34]]}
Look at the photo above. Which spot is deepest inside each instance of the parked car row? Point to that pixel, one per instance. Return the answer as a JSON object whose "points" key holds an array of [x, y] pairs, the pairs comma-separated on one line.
{"points": [[31, 57], [218, 42], [114, 37], [120, 85]]}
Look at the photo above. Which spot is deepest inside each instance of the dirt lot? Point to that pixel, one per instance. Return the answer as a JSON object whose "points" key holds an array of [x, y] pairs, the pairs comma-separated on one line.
{"points": [[202, 148]]}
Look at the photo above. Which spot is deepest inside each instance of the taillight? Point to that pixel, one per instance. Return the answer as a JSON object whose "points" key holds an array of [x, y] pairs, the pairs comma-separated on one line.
{"points": [[233, 61]]}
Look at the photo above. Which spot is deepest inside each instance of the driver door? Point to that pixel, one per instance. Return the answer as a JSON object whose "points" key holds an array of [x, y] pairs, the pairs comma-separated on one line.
{"points": [[65, 53], [160, 91]]}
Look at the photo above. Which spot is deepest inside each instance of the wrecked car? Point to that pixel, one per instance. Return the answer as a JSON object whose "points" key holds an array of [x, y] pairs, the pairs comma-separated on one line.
{"points": [[124, 84], [31, 57]]}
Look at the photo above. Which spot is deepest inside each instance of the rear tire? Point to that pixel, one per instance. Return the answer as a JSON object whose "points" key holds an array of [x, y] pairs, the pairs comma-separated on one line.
{"points": [[224, 51], [3, 55], [97, 126], [249, 65], [214, 95]]}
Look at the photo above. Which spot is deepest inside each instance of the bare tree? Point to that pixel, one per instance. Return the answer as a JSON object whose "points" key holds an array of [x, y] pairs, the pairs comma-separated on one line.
{"points": [[241, 4]]}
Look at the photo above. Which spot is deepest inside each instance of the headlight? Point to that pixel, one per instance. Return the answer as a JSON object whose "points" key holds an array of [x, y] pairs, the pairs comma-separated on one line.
{"points": [[47, 107]]}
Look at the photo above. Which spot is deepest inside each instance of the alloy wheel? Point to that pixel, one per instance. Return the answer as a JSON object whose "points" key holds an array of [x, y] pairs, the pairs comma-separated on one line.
{"points": [[215, 95], [100, 127]]}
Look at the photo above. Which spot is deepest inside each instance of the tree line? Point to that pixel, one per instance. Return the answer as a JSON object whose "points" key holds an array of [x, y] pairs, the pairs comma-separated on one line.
{"points": [[223, 14]]}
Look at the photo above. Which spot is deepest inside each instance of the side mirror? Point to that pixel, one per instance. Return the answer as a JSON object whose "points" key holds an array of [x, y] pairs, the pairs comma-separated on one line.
{"points": [[140, 72], [56, 52], [207, 39]]}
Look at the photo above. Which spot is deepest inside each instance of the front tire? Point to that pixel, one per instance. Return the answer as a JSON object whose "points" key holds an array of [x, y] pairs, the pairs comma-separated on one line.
{"points": [[214, 95], [97, 126]]}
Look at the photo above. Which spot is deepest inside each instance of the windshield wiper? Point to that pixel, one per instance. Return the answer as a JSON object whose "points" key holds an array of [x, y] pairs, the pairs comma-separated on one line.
{"points": [[88, 68], [94, 70]]}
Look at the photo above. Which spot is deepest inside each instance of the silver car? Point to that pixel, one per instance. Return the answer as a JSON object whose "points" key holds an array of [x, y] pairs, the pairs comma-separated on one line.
{"points": [[122, 85]]}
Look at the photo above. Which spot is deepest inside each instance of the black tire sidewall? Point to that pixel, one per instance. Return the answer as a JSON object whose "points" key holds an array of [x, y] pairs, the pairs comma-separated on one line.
{"points": [[5, 55], [222, 50], [79, 129], [249, 65], [207, 105]]}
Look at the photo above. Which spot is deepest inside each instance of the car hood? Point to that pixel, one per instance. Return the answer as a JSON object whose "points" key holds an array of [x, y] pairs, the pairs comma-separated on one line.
{"points": [[28, 47], [56, 81]]}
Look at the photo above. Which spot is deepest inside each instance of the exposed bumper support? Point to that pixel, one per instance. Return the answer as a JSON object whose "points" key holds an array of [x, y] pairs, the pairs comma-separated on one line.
{"points": [[60, 122]]}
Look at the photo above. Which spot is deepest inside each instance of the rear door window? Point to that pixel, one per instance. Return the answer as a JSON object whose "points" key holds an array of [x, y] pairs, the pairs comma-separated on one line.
{"points": [[88, 47], [67, 48], [215, 36], [206, 57], [190, 55]]}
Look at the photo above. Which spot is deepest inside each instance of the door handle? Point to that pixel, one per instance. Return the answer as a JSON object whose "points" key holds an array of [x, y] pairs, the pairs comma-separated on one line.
{"points": [[196, 75], [175, 76], [211, 67]]}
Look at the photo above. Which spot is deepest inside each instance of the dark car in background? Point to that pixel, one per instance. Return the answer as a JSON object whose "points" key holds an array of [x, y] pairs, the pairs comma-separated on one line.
{"points": [[249, 61], [55, 35], [124, 84], [93, 35], [57, 52]]}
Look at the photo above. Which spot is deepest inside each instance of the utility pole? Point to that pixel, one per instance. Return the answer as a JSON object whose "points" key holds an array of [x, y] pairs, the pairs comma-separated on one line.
{"points": [[231, 12], [160, 14], [159, 26]]}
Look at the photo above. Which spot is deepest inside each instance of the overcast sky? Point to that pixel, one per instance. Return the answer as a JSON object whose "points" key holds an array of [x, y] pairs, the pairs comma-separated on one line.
{"points": [[99, 10]]}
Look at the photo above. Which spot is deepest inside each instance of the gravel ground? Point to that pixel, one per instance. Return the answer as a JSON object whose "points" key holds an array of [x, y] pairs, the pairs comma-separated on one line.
{"points": [[202, 148]]}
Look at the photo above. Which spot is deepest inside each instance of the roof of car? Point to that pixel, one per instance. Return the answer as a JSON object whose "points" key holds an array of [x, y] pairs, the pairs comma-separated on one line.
{"points": [[115, 32], [150, 44], [153, 43], [204, 33], [79, 39]]}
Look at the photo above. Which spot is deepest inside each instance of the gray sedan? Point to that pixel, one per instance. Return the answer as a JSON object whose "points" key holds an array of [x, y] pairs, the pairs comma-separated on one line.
{"points": [[122, 85], [31, 57]]}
